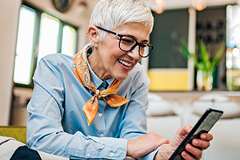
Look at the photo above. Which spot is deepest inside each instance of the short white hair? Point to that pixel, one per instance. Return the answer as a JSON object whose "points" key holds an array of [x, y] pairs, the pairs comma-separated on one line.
{"points": [[111, 14]]}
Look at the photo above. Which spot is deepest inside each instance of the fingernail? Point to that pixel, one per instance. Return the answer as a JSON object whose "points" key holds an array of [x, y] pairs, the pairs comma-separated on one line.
{"points": [[184, 154], [203, 136], [195, 142], [189, 146]]}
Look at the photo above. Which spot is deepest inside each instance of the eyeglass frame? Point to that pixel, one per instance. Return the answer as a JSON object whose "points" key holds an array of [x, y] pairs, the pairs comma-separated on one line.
{"points": [[133, 47]]}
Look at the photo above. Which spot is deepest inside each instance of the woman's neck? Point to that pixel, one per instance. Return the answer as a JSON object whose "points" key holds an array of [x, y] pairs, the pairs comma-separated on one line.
{"points": [[96, 65]]}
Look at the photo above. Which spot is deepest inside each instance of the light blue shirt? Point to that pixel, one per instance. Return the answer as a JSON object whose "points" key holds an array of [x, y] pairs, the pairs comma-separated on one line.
{"points": [[57, 124]]}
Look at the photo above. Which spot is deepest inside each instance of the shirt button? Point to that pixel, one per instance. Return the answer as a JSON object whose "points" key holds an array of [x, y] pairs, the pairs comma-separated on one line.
{"points": [[110, 154], [100, 114], [88, 154], [102, 135]]}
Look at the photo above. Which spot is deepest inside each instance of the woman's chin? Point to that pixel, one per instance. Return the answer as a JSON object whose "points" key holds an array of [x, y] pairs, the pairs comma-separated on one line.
{"points": [[121, 76]]}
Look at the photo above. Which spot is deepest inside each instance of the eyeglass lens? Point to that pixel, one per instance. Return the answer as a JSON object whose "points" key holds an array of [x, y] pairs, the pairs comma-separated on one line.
{"points": [[128, 44]]}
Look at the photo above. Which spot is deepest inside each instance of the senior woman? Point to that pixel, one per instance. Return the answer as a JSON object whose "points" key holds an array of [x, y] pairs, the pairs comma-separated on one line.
{"points": [[92, 106]]}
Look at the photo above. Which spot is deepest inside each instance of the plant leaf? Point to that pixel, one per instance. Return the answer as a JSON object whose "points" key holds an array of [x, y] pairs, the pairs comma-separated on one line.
{"points": [[219, 56], [204, 63], [184, 50], [204, 55]]}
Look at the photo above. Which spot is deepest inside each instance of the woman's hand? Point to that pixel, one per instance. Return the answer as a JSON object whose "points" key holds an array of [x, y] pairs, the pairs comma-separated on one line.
{"points": [[195, 148], [145, 144]]}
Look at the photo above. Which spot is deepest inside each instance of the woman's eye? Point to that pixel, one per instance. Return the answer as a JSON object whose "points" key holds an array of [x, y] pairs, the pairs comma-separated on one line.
{"points": [[126, 40], [143, 45]]}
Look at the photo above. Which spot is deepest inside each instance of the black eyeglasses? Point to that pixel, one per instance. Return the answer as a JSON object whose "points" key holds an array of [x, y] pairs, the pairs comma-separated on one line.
{"points": [[128, 43]]}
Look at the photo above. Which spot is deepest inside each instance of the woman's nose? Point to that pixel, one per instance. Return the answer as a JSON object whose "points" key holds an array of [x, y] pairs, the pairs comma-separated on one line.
{"points": [[134, 53]]}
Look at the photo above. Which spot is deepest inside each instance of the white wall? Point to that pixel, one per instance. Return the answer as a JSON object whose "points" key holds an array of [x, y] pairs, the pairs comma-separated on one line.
{"points": [[9, 10]]}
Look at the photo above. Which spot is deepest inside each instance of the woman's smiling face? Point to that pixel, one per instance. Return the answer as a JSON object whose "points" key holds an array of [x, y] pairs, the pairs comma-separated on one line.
{"points": [[108, 60]]}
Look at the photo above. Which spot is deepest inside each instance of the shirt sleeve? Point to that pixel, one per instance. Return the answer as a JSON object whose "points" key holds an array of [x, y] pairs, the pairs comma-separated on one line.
{"points": [[44, 126]]}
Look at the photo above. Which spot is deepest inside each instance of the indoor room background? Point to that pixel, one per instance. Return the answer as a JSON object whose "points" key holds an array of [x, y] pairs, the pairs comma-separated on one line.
{"points": [[31, 29]]}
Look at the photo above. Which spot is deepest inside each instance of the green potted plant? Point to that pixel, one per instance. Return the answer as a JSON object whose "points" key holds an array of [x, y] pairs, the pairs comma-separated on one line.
{"points": [[203, 62]]}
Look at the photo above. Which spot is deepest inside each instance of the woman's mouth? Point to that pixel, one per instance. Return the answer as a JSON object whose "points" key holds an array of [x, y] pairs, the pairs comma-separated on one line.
{"points": [[124, 63]]}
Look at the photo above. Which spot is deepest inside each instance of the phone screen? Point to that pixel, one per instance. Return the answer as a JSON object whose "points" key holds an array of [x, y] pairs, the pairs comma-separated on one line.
{"points": [[204, 124]]}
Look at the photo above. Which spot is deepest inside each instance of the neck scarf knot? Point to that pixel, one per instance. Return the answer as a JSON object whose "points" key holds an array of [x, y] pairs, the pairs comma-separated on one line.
{"points": [[81, 71]]}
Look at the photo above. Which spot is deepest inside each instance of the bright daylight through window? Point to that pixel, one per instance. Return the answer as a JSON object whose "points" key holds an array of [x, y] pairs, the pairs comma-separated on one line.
{"points": [[24, 46]]}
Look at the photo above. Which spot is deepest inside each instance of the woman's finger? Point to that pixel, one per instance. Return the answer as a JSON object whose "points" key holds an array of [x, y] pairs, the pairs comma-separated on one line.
{"points": [[206, 136], [200, 143], [196, 152], [186, 156]]}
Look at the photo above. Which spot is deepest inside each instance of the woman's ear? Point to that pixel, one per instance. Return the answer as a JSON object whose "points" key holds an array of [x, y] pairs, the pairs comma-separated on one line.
{"points": [[93, 35]]}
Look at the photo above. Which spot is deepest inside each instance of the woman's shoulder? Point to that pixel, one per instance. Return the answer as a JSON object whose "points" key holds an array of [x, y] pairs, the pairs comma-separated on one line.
{"points": [[137, 80], [57, 59], [138, 71], [137, 75]]}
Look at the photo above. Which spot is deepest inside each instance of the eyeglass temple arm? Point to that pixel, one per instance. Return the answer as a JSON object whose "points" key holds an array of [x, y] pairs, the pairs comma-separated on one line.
{"points": [[107, 31]]}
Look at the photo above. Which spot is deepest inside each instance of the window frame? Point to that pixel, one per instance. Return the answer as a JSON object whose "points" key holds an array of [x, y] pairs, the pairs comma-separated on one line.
{"points": [[36, 37]]}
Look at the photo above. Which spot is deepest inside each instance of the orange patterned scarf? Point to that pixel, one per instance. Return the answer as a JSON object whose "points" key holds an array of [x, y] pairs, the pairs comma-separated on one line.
{"points": [[81, 71]]}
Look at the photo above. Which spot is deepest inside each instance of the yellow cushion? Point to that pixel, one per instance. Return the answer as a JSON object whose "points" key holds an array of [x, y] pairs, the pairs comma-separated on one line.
{"points": [[17, 132]]}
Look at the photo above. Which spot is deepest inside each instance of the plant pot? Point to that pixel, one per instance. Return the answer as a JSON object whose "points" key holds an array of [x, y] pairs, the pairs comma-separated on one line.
{"points": [[204, 80]]}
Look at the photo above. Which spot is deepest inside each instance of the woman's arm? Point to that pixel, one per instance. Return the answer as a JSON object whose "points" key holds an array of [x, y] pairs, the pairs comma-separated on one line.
{"points": [[141, 144], [47, 116]]}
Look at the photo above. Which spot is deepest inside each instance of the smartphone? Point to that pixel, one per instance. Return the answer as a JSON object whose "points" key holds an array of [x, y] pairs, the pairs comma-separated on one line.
{"points": [[204, 124]]}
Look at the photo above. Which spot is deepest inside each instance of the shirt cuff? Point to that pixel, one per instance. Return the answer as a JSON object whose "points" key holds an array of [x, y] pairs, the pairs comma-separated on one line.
{"points": [[114, 148], [151, 155]]}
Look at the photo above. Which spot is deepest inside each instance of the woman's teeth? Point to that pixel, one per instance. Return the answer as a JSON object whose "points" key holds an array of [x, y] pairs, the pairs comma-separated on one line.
{"points": [[124, 63]]}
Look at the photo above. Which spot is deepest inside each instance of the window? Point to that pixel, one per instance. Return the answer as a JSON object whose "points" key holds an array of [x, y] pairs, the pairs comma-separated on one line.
{"points": [[68, 40], [48, 39], [40, 34], [24, 48]]}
